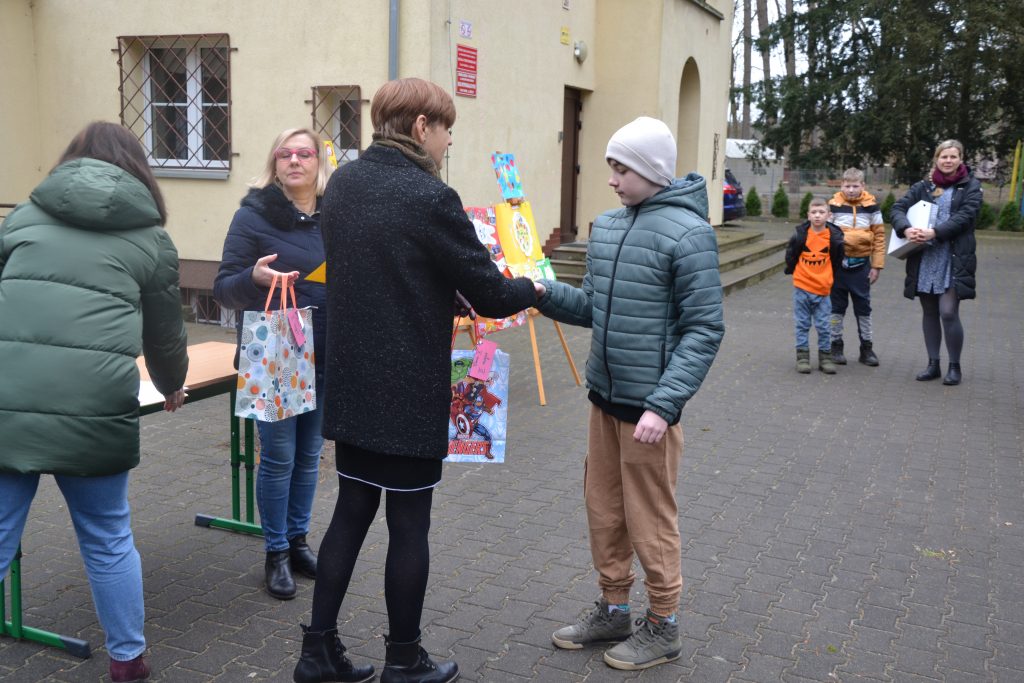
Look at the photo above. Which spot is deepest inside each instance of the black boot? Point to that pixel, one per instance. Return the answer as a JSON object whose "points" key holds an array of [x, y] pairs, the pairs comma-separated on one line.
{"points": [[837, 353], [931, 372], [410, 663], [867, 355], [323, 659], [952, 377], [303, 559], [280, 583]]}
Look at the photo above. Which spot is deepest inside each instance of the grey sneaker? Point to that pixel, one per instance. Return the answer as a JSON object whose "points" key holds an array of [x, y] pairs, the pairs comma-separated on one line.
{"points": [[596, 626], [655, 641]]}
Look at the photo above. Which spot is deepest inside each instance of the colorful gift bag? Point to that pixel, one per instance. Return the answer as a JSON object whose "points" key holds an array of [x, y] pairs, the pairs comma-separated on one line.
{"points": [[478, 420], [276, 371]]}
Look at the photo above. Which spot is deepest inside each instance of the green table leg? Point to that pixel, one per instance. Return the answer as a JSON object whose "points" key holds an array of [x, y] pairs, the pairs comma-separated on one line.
{"points": [[16, 629], [235, 523]]}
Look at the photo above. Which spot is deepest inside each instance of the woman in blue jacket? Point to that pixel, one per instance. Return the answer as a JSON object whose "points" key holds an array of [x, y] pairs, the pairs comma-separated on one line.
{"points": [[277, 231]]}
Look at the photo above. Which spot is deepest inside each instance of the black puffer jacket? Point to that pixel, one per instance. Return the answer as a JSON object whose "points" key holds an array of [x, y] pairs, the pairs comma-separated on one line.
{"points": [[836, 247], [268, 223], [398, 246], [958, 230]]}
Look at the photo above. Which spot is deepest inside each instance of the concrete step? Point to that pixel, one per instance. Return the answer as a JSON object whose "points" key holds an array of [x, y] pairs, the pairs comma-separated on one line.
{"points": [[752, 273], [750, 252], [733, 238]]}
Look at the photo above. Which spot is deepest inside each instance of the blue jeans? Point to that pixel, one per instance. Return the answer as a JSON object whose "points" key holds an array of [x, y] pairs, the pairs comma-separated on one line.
{"points": [[286, 478], [809, 307], [102, 521]]}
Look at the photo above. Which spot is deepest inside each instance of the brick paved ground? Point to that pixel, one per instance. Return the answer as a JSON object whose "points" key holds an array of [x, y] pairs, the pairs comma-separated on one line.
{"points": [[862, 527]]}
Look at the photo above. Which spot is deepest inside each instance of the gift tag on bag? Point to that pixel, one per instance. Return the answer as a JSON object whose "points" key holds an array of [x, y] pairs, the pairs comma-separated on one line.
{"points": [[295, 323]]}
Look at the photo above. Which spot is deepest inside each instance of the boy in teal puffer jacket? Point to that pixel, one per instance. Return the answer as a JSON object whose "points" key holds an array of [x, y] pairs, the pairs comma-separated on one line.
{"points": [[653, 297]]}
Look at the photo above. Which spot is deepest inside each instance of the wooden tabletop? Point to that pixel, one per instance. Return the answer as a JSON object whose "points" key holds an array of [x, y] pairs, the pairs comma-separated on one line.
{"points": [[208, 363]]}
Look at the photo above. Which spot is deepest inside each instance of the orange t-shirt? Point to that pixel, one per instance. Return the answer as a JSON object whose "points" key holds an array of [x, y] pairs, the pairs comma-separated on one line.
{"points": [[813, 272]]}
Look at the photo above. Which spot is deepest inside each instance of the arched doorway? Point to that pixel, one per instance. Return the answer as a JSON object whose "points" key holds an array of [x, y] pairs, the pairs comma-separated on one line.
{"points": [[688, 124]]}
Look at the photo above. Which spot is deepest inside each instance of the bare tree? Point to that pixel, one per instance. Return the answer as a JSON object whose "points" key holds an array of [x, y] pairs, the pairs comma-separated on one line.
{"points": [[748, 42]]}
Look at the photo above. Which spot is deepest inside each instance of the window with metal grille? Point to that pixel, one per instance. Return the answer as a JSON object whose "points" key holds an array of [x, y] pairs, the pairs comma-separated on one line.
{"points": [[176, 96], [337, 113]]}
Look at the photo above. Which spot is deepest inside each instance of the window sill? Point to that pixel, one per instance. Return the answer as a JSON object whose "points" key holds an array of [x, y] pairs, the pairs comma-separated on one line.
{"points": [[193, 173]]}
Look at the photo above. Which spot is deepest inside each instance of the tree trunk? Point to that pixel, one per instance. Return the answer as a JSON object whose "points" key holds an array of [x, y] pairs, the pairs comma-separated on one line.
{"points": [[764, 46], [748, 42]]}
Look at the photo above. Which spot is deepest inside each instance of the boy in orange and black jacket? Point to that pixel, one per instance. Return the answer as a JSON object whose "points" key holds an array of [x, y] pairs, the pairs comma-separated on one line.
{"points": [[856, 212], [813, 256]]}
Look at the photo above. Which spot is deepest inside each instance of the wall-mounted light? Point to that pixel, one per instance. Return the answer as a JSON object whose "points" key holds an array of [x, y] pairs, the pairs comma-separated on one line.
{"points": [[579, 51]]}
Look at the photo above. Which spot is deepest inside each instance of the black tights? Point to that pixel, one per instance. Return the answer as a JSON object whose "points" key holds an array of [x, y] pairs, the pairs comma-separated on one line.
{"points": [[942, 314], [406, 566]]}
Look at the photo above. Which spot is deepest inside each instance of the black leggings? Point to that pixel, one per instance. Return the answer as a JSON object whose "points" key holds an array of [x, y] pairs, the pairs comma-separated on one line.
{"points": [[406, 566], [942, 313]]}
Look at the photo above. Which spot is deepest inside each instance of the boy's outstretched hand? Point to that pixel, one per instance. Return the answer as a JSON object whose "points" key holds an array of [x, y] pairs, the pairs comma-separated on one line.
{"points": [[539, 288], [650, 428]]}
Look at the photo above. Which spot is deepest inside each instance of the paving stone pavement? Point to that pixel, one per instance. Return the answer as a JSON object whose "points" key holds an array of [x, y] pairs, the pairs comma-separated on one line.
{"points": [[860, 527]]}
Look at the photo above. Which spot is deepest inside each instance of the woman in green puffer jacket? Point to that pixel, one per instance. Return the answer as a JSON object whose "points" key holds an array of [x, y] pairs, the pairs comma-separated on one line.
{"points": [[88, 282]]}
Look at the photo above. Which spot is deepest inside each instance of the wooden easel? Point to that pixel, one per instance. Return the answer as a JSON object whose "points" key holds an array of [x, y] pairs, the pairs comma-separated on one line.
{"points": [[467, 324]]}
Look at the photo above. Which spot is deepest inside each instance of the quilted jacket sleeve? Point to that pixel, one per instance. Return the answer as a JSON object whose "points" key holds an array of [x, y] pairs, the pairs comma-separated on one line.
{"points": [[898, 214], [698, 301], [568, 304], [233, 287], [964, 216], [164, 340]]}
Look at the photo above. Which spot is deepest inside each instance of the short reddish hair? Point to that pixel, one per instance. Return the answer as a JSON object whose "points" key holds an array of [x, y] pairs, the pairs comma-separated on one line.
{"points": [[398, 103]]}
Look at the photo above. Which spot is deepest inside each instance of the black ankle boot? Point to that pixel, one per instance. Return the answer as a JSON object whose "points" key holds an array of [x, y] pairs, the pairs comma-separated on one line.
{"points": [[323, 659], [952, 377], [280, 583], [410, 663], [867, 355], [837, 353], [931, 372], [303, 559]]}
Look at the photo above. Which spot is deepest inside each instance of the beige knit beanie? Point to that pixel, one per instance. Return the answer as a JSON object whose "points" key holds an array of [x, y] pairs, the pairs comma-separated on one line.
{"points": [[646, 146]]}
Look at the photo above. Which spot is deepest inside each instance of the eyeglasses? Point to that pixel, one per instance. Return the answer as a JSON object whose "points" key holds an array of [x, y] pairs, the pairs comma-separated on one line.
{"points": [[303, 153]]}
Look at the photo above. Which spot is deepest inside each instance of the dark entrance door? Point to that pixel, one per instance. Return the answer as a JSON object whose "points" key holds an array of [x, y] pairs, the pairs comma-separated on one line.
{"points": [[570, 164]]}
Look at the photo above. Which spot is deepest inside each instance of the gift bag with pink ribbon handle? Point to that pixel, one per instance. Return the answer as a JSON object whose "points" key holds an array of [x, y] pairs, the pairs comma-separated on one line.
{"points": [[276, 370]]}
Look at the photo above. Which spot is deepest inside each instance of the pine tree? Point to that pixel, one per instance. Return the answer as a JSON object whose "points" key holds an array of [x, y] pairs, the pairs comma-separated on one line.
{"points": [[805, 204], [780, 203], [753, 202]]}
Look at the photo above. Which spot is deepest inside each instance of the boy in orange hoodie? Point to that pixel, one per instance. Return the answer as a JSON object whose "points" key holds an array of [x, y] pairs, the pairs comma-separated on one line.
{"points": [[856, 212]]}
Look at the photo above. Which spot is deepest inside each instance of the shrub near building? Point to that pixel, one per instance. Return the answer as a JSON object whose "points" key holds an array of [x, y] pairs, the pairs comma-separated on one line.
{"points": [[753, 203], [780, 203]]}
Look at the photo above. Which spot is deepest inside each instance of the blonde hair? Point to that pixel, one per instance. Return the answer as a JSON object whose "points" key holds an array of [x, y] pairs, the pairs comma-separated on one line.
{"points": [[817, 201], [944, 145], [269, 174], [853, 175]]}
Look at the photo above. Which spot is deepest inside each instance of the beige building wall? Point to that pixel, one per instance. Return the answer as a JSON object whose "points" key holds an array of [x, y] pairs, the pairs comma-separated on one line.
{"points": [[24, 163], [61, 57]]}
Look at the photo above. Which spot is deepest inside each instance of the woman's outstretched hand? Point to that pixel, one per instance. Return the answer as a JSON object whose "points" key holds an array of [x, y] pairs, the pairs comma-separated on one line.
{"points": [[263, 274]]}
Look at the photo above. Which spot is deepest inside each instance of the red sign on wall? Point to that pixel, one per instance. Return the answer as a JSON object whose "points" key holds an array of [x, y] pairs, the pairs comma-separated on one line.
{"points": [[465, 71]]}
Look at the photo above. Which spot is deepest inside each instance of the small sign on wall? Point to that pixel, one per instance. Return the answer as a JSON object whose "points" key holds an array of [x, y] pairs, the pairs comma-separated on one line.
{"points": [[465, 71], [465, 29], [565, 35]]}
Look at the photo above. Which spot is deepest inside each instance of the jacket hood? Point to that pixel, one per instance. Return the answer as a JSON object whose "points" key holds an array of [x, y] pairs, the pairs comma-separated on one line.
{"points": [[690, 193], [95, 195], [865, 199]]}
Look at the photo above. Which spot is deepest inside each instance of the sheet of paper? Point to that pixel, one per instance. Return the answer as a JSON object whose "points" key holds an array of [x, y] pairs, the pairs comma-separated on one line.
{"points": [[148, 395]]}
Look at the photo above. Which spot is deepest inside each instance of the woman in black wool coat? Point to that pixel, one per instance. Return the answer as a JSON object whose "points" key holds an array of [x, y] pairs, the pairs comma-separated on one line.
{"points": [[941, 274], [399, 247]]}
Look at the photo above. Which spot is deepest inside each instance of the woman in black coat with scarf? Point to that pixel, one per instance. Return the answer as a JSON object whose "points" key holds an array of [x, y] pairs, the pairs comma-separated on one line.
{"points": [[941, 273], [399, 247]]}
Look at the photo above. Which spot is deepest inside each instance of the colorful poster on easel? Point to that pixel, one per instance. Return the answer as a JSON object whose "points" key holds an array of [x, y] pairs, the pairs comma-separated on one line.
{"points": [[486, 231], [517, 234], [508, 176], [478, 418]]}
